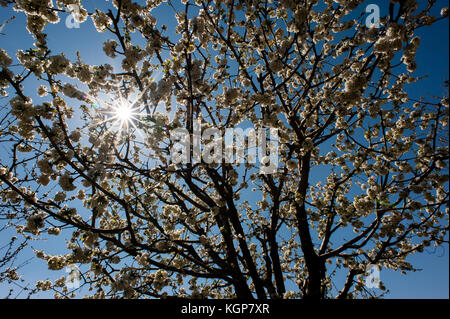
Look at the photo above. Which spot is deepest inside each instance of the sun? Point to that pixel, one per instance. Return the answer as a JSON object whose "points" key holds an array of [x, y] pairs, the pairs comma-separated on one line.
{"points": [[124, 113]]}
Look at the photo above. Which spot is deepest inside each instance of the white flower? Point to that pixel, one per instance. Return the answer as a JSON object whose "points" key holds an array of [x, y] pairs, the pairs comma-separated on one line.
{"points": [[45, 167], [35, 223], [84, 74], [203, 239], [276, 65], [60, 282], [132, 56], [54, 231], [42, 90], [3, 170], [56, 263], [60, 196], [291, 164], [5, 60], [308, 144], [66, 182], [75, 136], [43, 180], [109, 47], [81, 194], [58, 64], [70, 91], [101, 20], [90, 239]]}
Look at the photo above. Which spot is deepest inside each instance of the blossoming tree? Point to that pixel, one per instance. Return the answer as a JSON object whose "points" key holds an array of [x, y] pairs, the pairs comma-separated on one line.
{"points": [[361, 177]]}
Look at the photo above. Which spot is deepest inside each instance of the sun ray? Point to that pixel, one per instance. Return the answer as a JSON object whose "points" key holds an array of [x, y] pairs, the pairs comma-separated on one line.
{"points": [[123, 114]]}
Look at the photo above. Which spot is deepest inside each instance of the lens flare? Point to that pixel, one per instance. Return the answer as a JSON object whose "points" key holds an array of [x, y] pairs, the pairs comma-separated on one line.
{"points": [[124, 113], [121, 113]]}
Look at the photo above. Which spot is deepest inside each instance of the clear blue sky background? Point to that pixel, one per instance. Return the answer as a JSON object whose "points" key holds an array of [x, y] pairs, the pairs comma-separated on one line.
{"points": [[432, 58]]}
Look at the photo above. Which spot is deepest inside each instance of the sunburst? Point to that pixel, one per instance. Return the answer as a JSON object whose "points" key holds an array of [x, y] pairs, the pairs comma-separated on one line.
{"points": [[121, 113]]}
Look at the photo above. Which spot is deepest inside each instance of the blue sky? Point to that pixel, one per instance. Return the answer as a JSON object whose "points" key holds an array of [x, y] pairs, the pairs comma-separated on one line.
{"points": [[432, 59]]}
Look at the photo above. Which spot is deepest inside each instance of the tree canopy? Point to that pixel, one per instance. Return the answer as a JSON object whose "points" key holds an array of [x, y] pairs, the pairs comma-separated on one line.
{"points": [[125, 158]]}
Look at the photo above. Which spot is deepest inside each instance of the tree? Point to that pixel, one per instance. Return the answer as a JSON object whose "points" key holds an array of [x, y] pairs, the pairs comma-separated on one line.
{"points": [[358, 157]]}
